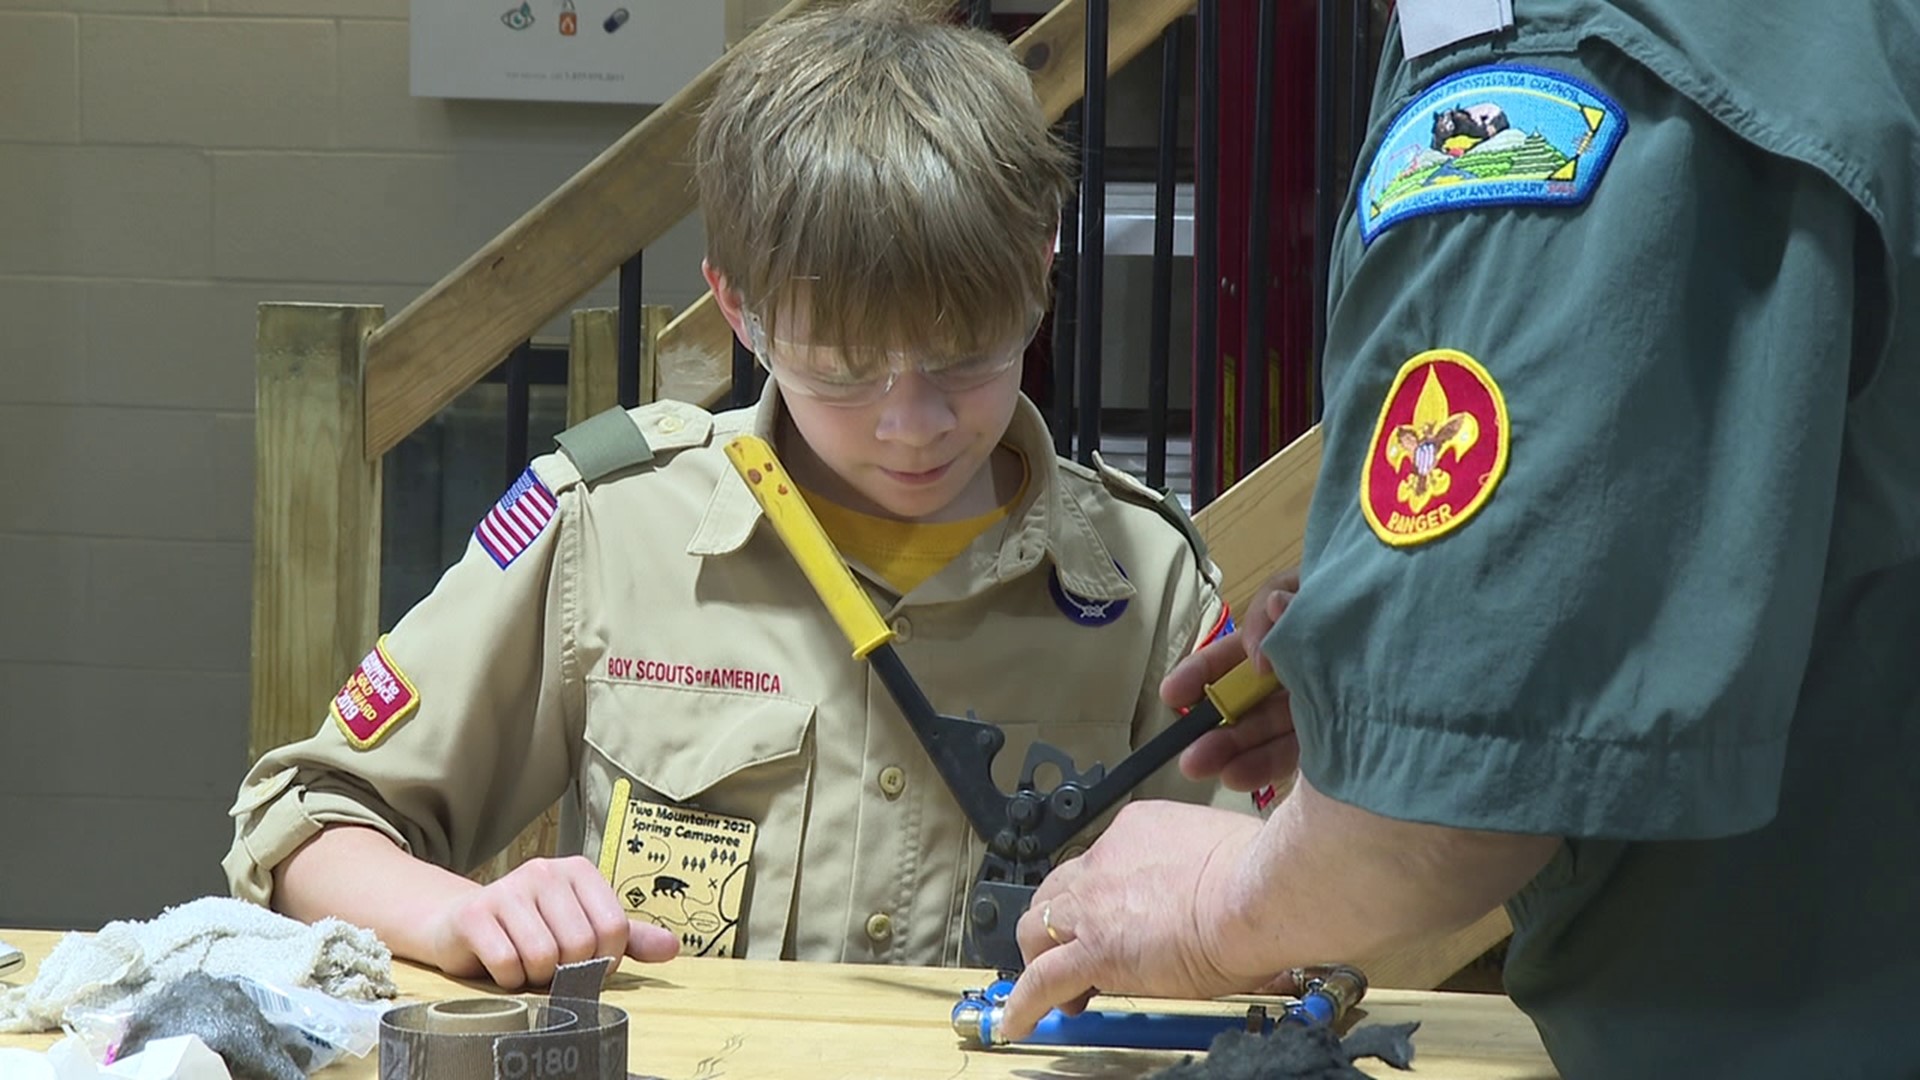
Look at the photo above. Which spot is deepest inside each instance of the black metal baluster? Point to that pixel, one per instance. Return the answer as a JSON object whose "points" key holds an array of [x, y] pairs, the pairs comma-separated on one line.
{"points": [[746, 381], [1359, 79], [1326, 198], [1253, 380], [627, 363], [1093, 230], [1206, 254], [519, 402], [1161, 343], [1065, 300]]}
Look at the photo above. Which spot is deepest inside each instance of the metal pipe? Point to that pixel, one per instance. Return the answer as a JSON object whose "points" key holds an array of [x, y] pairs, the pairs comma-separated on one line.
{"points": [[1161, 334], [1093, 230]]}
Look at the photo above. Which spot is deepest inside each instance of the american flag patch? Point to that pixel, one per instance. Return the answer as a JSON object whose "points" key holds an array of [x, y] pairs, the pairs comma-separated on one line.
{"points": [[516, 520]]}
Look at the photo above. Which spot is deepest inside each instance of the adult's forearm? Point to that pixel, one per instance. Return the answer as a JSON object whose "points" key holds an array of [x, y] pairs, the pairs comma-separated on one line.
{"points": [[1346, 884], [358, 874]]}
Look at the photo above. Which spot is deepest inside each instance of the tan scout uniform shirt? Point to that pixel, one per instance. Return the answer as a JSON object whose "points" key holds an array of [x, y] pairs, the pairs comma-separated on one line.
{"points": [[651, 631]]}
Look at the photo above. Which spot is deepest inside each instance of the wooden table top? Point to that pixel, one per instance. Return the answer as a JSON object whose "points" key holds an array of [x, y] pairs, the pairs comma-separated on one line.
{"points": [[704, 1019]]}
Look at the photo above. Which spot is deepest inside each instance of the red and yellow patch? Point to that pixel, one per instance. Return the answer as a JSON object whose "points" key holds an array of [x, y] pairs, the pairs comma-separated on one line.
{"points": [[1438, 451], [376, 697]]}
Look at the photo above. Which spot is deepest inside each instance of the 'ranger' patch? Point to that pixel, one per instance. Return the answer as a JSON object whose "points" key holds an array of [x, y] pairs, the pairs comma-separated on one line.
{"points": [[516, 520], [678, 867], [1495, 135], [1438, 450], [376, 697], [1080, 609]]}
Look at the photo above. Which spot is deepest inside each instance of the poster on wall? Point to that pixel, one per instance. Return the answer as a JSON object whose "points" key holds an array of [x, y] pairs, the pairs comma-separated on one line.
{"points": [[637, 52]]}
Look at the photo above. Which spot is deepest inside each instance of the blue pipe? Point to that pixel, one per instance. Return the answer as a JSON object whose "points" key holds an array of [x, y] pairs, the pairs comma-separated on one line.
{"points": [[977, 1019]]}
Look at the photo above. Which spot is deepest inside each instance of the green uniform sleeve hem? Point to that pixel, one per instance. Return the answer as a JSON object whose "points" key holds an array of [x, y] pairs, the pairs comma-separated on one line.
{"points": [[1539, 785]]}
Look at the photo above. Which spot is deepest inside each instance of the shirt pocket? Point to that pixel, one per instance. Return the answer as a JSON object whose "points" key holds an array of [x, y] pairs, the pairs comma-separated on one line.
{"points": [[741, 755]]}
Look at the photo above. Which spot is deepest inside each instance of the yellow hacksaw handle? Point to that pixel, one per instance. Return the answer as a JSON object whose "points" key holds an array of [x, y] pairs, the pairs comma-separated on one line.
{"points": [[1239, 690], [793, 519]]}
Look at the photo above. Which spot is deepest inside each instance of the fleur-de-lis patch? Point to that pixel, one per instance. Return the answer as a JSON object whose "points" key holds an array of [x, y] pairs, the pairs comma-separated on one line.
{"points": [[1438, 450]]}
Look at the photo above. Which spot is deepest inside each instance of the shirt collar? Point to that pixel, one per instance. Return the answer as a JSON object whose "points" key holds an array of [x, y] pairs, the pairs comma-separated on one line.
{"points": [[1050, 524], [1053, 523], [732, 511]]}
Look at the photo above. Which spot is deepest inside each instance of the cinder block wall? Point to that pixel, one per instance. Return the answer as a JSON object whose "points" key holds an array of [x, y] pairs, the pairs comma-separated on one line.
{"points": [[165, 165]]}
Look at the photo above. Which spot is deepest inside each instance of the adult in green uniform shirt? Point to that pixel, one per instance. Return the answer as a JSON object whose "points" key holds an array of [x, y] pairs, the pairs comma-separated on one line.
{"points": [[1610, 605]]}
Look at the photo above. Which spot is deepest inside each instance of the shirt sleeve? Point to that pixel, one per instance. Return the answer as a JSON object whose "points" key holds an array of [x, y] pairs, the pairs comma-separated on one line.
{"points": [[1194, 615], [462, 725], [1611, 642]]}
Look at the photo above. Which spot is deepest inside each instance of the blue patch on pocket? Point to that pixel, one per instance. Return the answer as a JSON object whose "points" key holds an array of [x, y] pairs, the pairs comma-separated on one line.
{"points": [[1083, 610], [1494, 135]]}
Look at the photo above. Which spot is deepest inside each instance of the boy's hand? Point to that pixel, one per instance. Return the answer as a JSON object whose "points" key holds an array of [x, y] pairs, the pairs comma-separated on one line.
{"points": [[1260, 748], [544, 913]]}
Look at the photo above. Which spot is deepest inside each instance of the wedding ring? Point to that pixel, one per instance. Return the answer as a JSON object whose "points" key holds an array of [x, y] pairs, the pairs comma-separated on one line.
{"points": [[1046, 923]]}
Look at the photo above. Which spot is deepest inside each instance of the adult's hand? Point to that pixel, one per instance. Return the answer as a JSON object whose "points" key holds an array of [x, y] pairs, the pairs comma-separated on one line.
{"points": [[544, 913], [1260, 748], [1138, 913]]}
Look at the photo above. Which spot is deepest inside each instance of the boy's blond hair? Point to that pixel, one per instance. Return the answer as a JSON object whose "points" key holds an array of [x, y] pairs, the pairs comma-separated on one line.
{"points": [[883, 176]]}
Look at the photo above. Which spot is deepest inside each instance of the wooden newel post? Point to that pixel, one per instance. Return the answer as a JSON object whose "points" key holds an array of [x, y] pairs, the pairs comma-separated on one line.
{"points": [[316, 515], [593, 358]]}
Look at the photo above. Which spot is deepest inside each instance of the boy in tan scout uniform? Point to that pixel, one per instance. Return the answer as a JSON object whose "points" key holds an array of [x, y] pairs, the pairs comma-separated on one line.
{"points": [[621, 622]]}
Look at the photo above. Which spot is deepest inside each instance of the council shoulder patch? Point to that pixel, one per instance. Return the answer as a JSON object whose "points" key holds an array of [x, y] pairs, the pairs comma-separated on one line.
{"points": [[1438, 450], [1494, 135], [376, 697]]}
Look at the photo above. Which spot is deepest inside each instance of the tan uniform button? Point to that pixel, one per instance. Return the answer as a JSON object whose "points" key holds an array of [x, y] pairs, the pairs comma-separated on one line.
{"points": [[879, 926], [893, 780], [902, 630], [670, 424]]}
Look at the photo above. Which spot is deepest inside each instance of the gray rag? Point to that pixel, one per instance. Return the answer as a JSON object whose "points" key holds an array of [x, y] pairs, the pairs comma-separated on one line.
{"points": [[125, 962]]}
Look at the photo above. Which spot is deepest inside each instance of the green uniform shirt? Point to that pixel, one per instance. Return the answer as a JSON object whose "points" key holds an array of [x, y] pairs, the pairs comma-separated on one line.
{"points": [[1617, 535]]}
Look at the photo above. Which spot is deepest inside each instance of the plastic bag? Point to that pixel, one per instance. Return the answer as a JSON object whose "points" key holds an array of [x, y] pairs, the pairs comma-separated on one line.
{"points": [[330, 1027]]}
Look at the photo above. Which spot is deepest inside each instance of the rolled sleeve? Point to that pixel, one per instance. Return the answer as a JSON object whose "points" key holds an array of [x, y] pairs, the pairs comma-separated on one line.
{"points": [[490, 742]]}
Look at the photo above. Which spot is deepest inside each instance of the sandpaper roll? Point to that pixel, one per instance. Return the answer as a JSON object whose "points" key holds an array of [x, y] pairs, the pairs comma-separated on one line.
{"points": [[569, 1035]]}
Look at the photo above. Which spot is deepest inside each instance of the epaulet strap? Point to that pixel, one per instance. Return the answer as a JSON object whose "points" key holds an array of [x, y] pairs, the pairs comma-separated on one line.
{"points": [[604, 443], [625, 438], [1129, 487]]}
